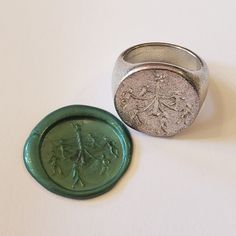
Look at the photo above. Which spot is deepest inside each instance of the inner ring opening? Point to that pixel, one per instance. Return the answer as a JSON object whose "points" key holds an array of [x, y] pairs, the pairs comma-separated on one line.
{"points": [[164, 53]]}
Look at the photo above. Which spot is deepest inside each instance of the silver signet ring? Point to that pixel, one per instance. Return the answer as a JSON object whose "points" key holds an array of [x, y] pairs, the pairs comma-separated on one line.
{"points": [[159, 88]]}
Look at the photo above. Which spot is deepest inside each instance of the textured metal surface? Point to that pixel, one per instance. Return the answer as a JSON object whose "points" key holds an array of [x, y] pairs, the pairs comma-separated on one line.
{"points": [[159, 88], [157, 102]]}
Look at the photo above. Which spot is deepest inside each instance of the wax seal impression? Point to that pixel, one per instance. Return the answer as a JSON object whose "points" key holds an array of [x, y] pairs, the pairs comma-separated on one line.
{"points": [[78, 151]]}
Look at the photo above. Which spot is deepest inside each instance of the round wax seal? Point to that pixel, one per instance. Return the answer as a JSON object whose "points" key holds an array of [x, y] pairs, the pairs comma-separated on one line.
{"points": [[78, 151]]}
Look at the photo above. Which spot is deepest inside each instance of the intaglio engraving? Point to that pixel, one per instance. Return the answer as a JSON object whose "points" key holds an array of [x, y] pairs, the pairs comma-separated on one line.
{"points": [[161, 104], [80, 152]]}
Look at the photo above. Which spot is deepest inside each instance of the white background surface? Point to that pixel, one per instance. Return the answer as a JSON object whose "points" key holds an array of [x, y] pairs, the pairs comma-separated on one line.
{"points": [[57, 53]]}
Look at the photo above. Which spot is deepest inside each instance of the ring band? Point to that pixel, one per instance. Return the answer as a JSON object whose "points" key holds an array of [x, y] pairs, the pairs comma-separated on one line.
{"points": [[159, 88]]}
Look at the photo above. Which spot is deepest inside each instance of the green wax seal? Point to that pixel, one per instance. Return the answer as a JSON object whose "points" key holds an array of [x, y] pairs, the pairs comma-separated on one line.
{"points": [[78, 151]]}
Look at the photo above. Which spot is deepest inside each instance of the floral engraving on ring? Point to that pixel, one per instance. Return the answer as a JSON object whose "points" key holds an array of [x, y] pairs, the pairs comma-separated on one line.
{"points": [[156, 104]]}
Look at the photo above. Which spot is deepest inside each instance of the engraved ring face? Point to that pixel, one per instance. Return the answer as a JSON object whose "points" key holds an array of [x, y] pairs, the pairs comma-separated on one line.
{"points": [[158, 102]]}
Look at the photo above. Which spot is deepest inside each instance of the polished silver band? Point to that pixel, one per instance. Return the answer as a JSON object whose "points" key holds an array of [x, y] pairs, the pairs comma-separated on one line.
{"points": [[159, 87]]}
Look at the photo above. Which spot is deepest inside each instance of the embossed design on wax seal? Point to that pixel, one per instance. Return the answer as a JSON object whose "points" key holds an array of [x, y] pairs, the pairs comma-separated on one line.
{"points": [[157, 102], [81, 151]]}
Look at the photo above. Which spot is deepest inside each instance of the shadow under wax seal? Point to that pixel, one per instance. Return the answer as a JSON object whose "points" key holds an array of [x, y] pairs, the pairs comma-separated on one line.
{"points": [[78, 151]]}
